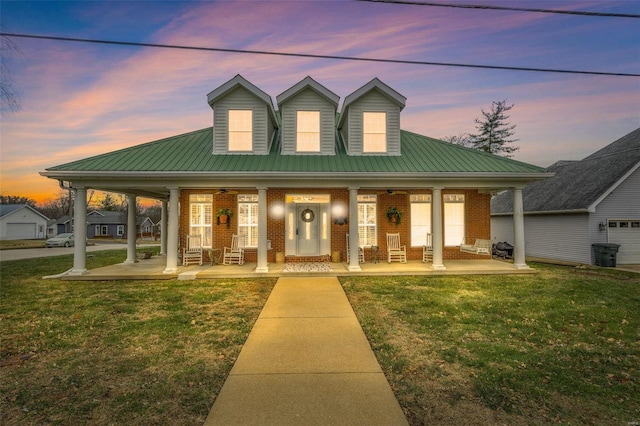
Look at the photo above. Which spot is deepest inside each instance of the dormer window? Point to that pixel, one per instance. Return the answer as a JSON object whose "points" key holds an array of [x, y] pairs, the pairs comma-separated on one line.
{"points": [[374, 132], [308, 131], [240, 130]]}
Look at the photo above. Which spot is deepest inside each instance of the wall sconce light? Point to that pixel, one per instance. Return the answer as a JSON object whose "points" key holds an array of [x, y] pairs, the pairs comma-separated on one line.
{"points": [[602, 226], [340, 220]]}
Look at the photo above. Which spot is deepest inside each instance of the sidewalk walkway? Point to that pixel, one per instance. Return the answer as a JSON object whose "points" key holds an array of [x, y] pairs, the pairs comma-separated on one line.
{"points": [[306, 362]]}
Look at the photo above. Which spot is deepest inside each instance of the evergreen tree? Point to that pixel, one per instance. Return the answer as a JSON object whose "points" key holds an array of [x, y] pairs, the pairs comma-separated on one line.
{"points": [[494, 132]]}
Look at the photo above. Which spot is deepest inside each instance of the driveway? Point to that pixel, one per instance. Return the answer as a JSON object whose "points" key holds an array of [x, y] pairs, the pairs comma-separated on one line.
{"points": [[58, 251]]}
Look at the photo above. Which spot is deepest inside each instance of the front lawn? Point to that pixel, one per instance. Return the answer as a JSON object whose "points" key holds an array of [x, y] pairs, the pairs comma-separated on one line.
{"points": [[117, 352], [561, 346]]}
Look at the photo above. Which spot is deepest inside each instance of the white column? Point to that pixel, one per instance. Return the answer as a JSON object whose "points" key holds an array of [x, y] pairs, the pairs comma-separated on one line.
{"points": [[80, 233], [262, 231], [163, 228], [438, 239], [131, 229], [354, 240], [518, 230], [172, 232]]}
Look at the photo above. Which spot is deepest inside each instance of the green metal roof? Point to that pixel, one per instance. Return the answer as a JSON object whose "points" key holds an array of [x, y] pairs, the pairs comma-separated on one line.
{"points": [[192, 152]]}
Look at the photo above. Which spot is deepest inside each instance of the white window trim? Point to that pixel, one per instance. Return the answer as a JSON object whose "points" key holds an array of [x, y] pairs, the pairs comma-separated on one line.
{"points": [[249, 226], [418, 239], [367, 200], [451, 239], [203, 227], [374, 128], [308, 131], [242, 127]]}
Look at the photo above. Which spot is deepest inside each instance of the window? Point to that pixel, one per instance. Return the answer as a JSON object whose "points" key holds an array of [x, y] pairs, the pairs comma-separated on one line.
{"points": [[367, 229], [420, 218], [104, 230], [454, 231], [248, 219], [374, 132], [120, 230], [240, 130], [308, 131], [200, 208]]}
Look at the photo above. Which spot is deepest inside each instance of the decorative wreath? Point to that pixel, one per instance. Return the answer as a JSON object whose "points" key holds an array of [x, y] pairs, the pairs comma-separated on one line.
{"points": [[307, 215]]}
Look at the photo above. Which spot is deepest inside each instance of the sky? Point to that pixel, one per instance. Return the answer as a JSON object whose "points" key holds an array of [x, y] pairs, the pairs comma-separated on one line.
{"points": [[80, 99]]}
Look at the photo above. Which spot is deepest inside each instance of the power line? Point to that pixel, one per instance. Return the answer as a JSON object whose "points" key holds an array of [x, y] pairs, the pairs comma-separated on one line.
{"points": [[314, 56], [518, 9]]}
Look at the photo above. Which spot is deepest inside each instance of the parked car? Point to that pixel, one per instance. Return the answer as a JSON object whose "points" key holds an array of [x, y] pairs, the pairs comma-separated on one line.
{"points": [[60, 240]]}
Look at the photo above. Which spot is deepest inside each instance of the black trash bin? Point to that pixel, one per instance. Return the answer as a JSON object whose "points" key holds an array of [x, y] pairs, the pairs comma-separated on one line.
{"points": [[605, 254]]}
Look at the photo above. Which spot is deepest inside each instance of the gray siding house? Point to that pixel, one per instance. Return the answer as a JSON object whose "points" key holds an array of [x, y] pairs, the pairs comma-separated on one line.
{"points": [[594, 200]]}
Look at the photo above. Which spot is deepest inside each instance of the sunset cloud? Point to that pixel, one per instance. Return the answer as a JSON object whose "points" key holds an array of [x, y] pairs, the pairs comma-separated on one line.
{"points": [[81, 100]]}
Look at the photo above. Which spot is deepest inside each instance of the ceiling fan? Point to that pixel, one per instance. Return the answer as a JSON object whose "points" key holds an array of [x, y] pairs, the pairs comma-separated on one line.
{"points": [[393, 192], [225, 191]]}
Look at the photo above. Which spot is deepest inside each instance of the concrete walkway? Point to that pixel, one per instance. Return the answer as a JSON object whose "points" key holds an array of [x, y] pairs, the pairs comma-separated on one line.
{"points": [[306, 362]]}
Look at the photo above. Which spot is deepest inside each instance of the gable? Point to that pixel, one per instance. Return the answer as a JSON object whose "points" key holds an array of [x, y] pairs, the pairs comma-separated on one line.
{"points": [[383, 103], [240, 95], [311, 101]]}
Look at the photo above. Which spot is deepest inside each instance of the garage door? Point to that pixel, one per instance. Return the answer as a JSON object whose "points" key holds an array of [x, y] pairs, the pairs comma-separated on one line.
{"points": [[627, 234], [21, 231]]}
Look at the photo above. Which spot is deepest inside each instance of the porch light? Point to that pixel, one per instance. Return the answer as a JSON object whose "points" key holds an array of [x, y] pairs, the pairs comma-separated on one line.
{"points": [[339, 214], [602, 226]]}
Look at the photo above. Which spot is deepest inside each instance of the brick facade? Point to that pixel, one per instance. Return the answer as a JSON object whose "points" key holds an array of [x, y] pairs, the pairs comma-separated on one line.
{"points": [[477, 221]]}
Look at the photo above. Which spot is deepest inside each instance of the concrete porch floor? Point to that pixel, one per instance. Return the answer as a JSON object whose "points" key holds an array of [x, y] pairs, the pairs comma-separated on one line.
{"points": [[152, 269]]}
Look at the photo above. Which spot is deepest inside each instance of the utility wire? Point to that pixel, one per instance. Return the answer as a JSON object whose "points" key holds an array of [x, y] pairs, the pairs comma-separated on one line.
{"points": [[518, 9], [309, 55]]}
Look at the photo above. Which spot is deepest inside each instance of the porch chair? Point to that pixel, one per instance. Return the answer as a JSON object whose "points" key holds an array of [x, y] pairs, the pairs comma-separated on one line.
{"points": [[235, 253], [360, 253], [395, 251], [480, 247], [192, 252], [427, 250]]}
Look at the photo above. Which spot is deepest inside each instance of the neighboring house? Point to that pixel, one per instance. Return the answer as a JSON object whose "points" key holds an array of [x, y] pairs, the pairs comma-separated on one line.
{"points": [[595, 200], [145, 228], [106, 224], [59, 226], [21, 222], [299, 178]]}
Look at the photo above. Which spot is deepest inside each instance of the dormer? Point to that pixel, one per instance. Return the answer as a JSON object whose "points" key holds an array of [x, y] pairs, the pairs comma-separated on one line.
{"points": [[370, 120], [308, 114], [244, 119]]}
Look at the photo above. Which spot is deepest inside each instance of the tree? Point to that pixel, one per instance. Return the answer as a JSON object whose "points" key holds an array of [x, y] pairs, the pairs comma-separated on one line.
{"points": [[109, 204], [58, 207], [463, 139], [17, 199], [494, 132], [9, 97]]}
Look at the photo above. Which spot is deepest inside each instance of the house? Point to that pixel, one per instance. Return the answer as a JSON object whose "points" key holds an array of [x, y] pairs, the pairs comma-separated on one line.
{"points": [[106, 224], [594, 200], [300, 175], [21, 222], [145, 228]]}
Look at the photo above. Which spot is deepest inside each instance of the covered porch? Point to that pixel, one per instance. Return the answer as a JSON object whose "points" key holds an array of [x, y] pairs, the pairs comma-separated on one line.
{"points": [[154, 269]]}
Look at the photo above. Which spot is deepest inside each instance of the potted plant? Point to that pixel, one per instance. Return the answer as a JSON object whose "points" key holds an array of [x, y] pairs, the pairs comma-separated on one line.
{"points": [[394, 215], [224, 216]]}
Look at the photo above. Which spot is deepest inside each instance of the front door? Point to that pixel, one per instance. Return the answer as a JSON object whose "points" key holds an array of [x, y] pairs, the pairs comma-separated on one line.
{"points": [[308, 235]]}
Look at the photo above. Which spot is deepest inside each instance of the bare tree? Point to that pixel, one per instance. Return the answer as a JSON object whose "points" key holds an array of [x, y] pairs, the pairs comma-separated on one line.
{"points": [[9, 96], [17, 199], [56, 208]]}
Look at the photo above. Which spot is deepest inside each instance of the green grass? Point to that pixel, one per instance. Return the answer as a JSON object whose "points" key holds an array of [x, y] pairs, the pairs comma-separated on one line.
{"points": [[558, 347], [117, 352], [561, 346]]}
